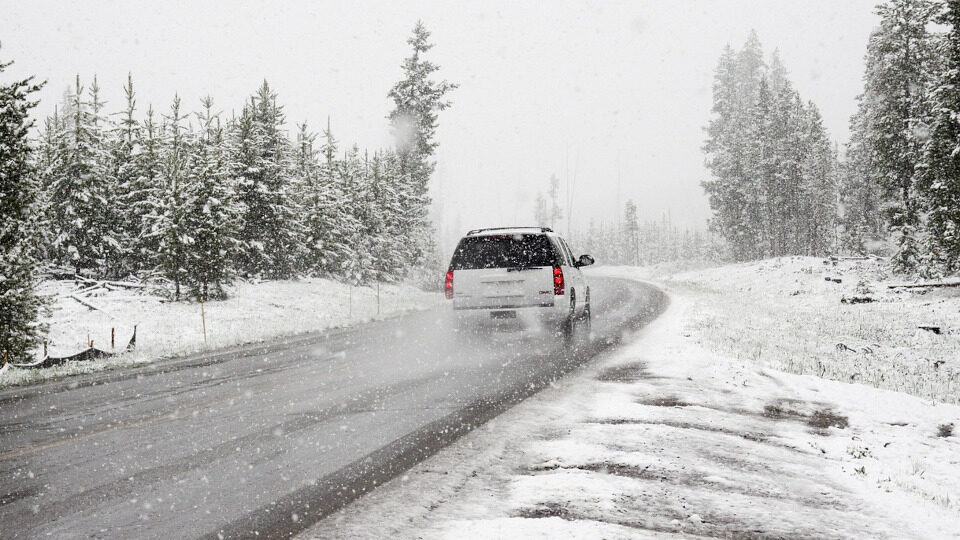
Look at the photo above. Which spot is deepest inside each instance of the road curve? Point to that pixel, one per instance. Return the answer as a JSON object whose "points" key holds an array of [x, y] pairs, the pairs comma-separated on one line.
{"points": [[266, 440]]}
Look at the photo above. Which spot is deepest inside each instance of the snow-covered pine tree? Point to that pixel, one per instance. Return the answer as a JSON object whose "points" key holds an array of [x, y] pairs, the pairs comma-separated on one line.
{"points": [[108, 224], [541, 214], [417, 100], [167, 223], [391, 251], [630, 234], [358, 267], [306, 165], [374, 238], [271, 243], [818, 187], [861, 220], [211, 214], [758, 183], [51, 149], [782, 180], [20, 304], [732, 197], [329, 147], [890, 112], [146, 194], [132, 194], [556, 213], [78, 193], [787, 209], [760, 145], [939, 170], [306, 170], [329, 225]]}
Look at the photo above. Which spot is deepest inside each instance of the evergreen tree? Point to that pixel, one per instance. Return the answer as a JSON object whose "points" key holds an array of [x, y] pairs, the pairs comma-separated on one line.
{"points": [[891, 110], [357, 268], [773, 187], [556, 214], [547, 211], [146, 195], [818, 187], [417, 101], [789, 214], [126, 197], [732, 198], [306, 165], [211, 214], [541, 214], [48, 164], [391, 249], [760, 168], [132, 193], [78, 200], [167, 223], [861, 197], [647, 243], [20, 304], [939, 171], [330, 226], [106, 219], [631, 234], [271, 241], [306, 172]]}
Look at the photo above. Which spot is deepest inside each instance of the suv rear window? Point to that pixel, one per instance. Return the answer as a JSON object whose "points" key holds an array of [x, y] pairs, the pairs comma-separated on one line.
{"points": [[503, 251]]}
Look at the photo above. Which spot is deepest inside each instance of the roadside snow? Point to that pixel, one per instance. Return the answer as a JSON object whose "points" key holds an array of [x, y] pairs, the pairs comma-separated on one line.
{"points": [[254, 312], [836, 320], [666, 438]]}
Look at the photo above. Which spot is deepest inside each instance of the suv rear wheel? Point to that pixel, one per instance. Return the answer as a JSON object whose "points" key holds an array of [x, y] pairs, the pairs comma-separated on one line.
{"points": [[576, 327], [568, 327], [587, 320]]}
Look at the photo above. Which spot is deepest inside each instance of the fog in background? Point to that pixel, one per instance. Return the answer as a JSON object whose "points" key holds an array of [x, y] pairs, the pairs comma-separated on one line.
{"points": [[591, 92]]}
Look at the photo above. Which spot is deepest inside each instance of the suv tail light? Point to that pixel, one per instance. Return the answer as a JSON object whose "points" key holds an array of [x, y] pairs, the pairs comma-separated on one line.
{"points": [[448, 284], [557, 281]]}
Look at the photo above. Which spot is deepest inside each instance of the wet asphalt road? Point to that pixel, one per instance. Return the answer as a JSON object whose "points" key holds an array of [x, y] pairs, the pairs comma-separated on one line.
{"points": [[266, 440]]}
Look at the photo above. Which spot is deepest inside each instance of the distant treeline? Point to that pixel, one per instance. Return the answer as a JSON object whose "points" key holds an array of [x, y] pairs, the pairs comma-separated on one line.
{"points": [[629, 241]]}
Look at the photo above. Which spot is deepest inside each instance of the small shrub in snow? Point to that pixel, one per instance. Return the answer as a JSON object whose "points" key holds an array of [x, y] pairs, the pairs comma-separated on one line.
{"points": [[857, 451]]}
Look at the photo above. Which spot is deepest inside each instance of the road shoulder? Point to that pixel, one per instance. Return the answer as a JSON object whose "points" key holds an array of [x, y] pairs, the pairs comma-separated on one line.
{"points": [[662, 437], [256, 314]]}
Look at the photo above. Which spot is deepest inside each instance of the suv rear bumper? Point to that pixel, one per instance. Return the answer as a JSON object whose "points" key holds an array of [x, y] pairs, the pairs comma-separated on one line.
{"points": [[541, 315], [501, 307]]}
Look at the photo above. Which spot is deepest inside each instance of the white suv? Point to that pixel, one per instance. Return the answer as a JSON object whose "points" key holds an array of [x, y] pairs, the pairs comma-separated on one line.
{"points": [[519, 272]]}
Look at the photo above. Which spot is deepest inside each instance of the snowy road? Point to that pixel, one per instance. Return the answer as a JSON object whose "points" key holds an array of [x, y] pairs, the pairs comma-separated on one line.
{"points": [[266, 439]]}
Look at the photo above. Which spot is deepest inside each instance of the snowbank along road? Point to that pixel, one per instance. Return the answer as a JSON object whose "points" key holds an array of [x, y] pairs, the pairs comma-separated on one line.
{"points": [[266, 440]]}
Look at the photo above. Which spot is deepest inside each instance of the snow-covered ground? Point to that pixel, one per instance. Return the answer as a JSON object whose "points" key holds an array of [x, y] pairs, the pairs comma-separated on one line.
{"points": [[254, 312], [675, 435], [790, 314]]}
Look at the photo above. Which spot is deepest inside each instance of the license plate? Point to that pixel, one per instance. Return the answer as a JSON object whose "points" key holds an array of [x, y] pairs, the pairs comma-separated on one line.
{"points": [[503, 314]]}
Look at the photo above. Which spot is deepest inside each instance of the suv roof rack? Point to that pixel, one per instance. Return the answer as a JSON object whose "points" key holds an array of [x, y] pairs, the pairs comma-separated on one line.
{"points": [[477, 231]]}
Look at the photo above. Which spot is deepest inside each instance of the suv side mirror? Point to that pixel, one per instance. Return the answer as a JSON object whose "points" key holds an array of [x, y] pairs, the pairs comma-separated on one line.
{"points": [[584, 260]]}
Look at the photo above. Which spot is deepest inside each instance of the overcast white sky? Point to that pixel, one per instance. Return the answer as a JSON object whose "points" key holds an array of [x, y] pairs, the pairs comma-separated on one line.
{"points": [[582, 89]]}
